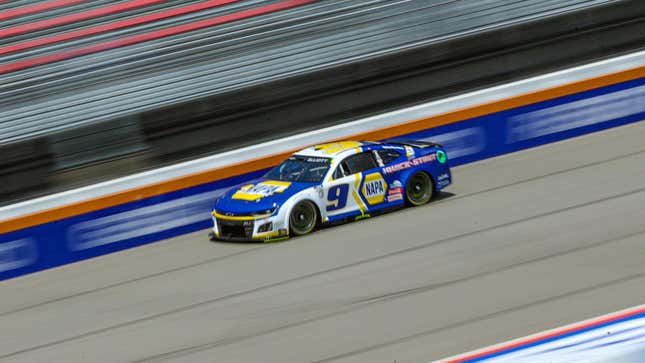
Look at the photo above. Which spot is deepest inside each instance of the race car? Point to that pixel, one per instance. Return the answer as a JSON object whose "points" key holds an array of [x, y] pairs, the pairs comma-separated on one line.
{"points": [[327, 183]]}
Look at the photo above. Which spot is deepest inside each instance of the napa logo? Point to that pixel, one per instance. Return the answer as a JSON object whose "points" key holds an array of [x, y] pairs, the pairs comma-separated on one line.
{"points": [[374, 188], [261, 190]]}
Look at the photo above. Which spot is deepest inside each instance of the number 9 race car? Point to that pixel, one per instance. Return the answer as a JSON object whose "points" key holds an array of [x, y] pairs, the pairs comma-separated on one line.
{"points": [[327, 183]]}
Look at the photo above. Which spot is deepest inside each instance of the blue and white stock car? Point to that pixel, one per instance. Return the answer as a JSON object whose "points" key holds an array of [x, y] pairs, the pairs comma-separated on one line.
{"points": [[332, 182]]}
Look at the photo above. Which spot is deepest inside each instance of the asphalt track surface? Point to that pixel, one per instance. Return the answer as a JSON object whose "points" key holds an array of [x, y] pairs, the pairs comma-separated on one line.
{"points": [[526, 242]]}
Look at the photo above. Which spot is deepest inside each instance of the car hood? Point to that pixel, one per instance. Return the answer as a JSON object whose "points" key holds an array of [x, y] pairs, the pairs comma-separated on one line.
{"points": [[258, 195]]}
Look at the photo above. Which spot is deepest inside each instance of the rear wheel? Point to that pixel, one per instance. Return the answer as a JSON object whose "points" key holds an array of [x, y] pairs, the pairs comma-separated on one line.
{"points": [[418, 189], [302, 219]]}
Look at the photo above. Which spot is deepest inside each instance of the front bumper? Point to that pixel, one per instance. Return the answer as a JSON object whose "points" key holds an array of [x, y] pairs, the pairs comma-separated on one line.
{"points": [[247, 229], [213, 237]]}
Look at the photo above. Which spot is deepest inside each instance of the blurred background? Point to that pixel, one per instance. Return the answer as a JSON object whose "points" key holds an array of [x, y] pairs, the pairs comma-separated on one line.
{"points": [[92, 90]]}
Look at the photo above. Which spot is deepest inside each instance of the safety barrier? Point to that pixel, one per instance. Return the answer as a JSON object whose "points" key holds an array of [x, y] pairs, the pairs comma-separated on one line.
{"points": [[167, 202], [616, 337]]}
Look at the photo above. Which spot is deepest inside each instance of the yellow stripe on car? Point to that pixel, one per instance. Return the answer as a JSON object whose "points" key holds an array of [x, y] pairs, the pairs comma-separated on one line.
{"points": [[357, 197], [247, 196], [240, 218], [279, 183], [266, 235], [334, 147]]}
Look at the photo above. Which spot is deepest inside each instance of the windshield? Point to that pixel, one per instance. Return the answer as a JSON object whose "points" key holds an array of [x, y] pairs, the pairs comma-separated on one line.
{"points": [[300, 169]]}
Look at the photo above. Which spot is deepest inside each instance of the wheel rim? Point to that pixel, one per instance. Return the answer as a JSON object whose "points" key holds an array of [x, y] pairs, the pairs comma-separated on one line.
{"points": [[303, 218], [419, 189]]}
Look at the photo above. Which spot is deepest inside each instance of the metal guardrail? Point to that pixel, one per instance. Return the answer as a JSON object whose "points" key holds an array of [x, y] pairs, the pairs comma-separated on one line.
{"points": [[123, 81]]}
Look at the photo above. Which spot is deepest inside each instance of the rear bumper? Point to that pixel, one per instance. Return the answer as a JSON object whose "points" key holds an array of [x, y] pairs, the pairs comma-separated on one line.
{"points": [[443, 180]]}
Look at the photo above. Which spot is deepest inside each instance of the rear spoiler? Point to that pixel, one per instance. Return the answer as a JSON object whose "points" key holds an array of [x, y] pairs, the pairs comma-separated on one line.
{"points": [[415, 143]]}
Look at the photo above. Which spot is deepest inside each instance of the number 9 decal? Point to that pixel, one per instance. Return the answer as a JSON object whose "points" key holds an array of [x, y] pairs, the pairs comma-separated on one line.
{"points": [[337, 197]]}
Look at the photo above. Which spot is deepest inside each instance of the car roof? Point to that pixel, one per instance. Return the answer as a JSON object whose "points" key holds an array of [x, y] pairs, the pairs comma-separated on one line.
{"points": [[334, 149]]}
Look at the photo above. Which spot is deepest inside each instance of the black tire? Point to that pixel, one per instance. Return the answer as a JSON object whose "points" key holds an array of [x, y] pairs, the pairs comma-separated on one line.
{"points": [[303, 217], [418, 189]]}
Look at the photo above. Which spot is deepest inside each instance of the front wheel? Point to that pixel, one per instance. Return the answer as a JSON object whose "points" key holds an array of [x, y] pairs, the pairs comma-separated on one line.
{"points": [[418, 189], [302, 219]]}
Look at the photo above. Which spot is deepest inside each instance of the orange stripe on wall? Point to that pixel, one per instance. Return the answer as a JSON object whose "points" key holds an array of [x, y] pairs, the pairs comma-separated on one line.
{"points": [[501, 105], [247, 166]]}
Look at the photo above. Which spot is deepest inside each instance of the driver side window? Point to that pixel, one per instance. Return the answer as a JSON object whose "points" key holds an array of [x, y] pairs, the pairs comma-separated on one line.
{"points": [[341, 171], [355, 164]]}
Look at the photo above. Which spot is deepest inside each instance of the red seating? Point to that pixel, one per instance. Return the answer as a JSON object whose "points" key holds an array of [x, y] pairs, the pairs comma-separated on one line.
{"points": [[57, 35]]}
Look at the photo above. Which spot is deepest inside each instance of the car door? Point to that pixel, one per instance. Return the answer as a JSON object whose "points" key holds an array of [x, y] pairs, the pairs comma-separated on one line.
{"points": [[374, 187], [343, 192], [386, 158]]}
